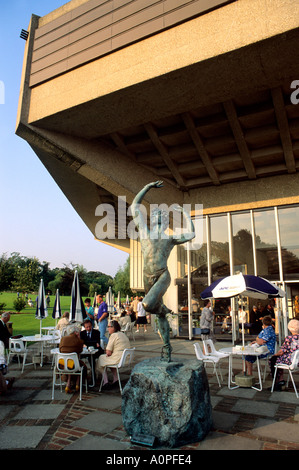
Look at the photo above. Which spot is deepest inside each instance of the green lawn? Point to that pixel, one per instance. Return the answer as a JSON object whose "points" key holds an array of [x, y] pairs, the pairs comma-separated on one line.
{"points": [[25, 323]]}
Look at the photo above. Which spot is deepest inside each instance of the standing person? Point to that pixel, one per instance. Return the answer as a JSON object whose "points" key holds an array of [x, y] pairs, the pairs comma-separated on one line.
{"points": [[89, 311], [141, 316], [134, 305], [255, 321], [103, 319], [48, 300], [206, 321], [4, 333]]}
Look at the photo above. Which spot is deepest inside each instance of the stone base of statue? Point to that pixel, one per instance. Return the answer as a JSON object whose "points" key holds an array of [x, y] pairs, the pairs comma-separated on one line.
{"points": [[168, 401]]}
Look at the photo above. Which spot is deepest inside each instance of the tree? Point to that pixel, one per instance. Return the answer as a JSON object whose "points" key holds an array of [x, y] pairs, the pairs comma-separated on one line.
{"points": [[27, 277], [122, 279]]}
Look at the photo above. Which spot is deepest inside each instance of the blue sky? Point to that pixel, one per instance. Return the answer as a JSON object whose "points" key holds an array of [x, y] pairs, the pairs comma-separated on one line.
{"points": [[36, 218]]}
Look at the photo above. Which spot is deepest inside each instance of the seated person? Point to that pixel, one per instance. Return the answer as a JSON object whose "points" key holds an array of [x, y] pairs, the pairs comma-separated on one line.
{"points": [[91, 337], [285, 354], [5, 383], [72, 343], [118, 342], [266, 337], [124, 319], [63, 323], [30, 303]]}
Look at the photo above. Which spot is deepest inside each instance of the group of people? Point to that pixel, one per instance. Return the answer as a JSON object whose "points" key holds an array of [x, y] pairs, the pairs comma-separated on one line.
{"points": [[265, 337], [76, 339]]}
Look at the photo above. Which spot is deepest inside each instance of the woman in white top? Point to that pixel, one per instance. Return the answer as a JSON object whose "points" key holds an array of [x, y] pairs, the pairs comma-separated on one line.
{"points": [[117, 343], [141, 316]]}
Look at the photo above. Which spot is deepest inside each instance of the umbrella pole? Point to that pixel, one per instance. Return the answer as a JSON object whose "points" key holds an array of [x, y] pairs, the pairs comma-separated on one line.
{"points": [[243, 339]]}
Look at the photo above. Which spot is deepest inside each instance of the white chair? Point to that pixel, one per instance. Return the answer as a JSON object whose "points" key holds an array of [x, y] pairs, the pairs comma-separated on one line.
{"points": [[67, 364], [125, 360], [210, 349], [17, 347], [206, 359], [129, 329], [294, 367]]}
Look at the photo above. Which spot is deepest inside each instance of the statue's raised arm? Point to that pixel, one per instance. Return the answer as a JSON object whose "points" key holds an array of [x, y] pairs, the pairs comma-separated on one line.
{"points": [[190, 233], [137, 214]]}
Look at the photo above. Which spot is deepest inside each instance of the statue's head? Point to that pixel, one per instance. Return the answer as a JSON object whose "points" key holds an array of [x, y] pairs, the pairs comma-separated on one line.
{"points": [[159, 219]]}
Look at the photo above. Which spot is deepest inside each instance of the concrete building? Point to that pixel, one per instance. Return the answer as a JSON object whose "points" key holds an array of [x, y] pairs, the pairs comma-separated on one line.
{"points": [[202, 94]]}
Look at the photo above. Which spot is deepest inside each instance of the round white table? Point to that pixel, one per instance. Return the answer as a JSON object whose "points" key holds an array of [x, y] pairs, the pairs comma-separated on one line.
{"points": [[247, 350], [36, 339]]}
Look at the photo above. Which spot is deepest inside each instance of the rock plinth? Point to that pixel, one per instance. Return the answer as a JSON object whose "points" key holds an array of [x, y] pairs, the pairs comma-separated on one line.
{"points": [[170, 401]]}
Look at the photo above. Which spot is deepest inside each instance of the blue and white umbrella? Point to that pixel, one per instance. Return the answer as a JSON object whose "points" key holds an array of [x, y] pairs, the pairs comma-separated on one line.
{"points": [[242, 284], [77, 310], [41, 305], [57, 307]]}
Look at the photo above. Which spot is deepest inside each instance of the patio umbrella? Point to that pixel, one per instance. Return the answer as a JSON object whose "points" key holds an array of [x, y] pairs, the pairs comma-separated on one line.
{"points": [[110, 301], [127, 301], [77, 310], [94, 304], [243, 285], [41, 305], [118, 303], [57, 307]]}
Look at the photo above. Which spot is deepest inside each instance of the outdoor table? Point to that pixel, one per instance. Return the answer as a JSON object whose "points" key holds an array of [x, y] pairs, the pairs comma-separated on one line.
{"points": [[37, 339], [248, 350], [86, 352]]}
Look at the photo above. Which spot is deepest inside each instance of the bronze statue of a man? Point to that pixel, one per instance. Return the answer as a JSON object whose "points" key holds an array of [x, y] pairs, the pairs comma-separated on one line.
{"points": [[156, 248]]}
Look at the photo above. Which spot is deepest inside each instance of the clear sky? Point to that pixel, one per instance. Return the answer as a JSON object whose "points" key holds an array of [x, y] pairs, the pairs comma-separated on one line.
{"points": [[36, 218]]}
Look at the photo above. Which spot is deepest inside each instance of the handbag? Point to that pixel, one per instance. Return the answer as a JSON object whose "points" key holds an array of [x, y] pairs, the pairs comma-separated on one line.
{"points": [[204, 331]]}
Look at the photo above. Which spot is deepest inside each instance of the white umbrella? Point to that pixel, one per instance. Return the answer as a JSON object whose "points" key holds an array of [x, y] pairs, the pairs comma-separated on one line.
{"points": [[41, 306], [77, 310]]}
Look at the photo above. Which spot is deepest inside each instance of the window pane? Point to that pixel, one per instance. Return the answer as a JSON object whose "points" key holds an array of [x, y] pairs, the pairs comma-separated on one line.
{"points": [[242, 243], [289, 230], [266, 244], [219, 247]]}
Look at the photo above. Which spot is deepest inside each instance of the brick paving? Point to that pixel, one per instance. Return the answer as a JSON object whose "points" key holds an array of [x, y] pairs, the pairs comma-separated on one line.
{"points": [[242, 418]]}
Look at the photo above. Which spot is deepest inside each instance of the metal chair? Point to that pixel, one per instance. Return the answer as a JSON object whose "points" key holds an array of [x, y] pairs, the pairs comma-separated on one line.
{"points": [[294, 367], [125, 360], [208, 359], [67, 364], [17, 347]]}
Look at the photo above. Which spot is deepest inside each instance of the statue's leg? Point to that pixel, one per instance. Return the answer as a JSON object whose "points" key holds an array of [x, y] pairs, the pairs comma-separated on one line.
{"points": [[164, 330], [152, 301]]}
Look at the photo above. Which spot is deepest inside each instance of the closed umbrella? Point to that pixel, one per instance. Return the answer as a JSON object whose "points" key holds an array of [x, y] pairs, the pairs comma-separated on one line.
{"points": [[110, 301], [94, 304], [41, 305], [57, 307], [77, 310]]}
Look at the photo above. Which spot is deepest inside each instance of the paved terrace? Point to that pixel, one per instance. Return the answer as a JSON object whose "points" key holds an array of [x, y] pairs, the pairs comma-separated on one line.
{"points": [[244, 419]]}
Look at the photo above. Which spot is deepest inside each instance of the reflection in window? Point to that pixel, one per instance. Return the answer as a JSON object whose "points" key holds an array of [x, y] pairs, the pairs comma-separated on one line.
{"points": [[266, 244], [289, 229], [242, 243], [219, 247]]}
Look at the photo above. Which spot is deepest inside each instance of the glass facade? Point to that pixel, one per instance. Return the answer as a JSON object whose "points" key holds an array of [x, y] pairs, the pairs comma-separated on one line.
{"points": [[261, 242]]}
